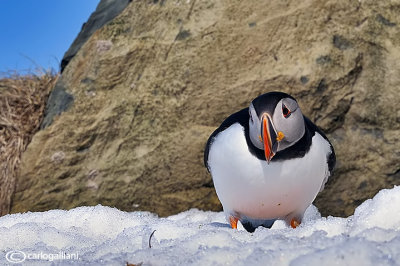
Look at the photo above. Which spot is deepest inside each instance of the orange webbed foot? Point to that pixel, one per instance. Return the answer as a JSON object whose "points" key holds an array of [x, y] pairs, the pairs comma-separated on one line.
{"points": [[233, 221], [294, 223]]}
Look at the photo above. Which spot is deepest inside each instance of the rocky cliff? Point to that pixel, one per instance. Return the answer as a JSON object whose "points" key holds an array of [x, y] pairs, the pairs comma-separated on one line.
{"points": [[143, 93], [105, 11]]}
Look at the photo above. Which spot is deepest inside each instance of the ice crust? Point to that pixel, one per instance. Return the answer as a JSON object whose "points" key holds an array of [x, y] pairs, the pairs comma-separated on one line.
{"points": [[107, 236]]}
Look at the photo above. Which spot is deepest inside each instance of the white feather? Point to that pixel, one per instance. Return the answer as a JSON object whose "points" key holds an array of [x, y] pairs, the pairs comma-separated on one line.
{"points": [[255, 189]]}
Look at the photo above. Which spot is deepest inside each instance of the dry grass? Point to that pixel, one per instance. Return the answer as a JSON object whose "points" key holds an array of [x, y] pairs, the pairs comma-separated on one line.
{"points": [[22, 103]]}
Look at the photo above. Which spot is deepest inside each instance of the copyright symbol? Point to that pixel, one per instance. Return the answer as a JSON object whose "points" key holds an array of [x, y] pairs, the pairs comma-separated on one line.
{"points": [[15, 256]]}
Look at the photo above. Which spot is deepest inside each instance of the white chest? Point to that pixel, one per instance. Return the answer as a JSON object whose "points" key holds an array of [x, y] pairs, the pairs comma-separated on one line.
{"points": [[251, 187]]}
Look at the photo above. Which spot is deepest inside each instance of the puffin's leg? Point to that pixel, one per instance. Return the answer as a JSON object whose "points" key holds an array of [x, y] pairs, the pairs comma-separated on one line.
{"points": [[233, 221], [295, 222]]}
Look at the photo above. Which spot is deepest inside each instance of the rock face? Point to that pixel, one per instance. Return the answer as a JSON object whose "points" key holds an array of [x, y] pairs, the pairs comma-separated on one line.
{"points": [[105, 11], [150, 86]]}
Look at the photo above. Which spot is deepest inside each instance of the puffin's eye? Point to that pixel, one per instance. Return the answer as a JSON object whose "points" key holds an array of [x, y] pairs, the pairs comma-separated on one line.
{"points": [[285, 111], [251, 117]]}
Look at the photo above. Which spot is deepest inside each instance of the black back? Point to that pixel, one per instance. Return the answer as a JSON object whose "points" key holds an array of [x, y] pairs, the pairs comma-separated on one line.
{"points": [[298, 150]]}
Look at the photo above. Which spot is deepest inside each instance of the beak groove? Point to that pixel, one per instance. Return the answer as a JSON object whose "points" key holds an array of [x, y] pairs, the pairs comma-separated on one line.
{"points": [[269, 138]]}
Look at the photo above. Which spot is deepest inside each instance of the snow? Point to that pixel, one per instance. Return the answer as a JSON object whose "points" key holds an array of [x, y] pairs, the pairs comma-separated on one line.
{"points": [[106, 236]]}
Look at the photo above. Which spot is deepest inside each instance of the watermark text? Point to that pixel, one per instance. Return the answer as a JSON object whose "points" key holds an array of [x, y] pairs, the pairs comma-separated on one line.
{"points": [[17, 256]]}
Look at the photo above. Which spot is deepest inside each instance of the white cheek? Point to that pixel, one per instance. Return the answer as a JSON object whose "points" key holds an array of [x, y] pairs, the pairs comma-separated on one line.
{"points": [[255, 135], [293, 128], [285, 125]]}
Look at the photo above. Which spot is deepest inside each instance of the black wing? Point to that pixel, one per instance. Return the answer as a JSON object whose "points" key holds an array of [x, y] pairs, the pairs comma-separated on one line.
{"points": [[332, 156]]}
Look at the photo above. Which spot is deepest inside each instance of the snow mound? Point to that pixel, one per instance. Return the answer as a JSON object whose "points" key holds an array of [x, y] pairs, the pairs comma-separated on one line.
{"points": [[107, 236]]}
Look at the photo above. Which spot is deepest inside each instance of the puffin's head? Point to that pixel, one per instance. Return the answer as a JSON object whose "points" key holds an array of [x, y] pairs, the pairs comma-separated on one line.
{"points": [[275, 122]]}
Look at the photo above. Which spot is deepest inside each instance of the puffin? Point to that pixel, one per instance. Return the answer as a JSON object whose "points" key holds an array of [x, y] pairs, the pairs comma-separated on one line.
{"points": [[268, 162]]}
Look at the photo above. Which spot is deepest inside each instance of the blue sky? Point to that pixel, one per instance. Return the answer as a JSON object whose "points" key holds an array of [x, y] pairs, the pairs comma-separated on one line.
{"points": [[39, 32]]}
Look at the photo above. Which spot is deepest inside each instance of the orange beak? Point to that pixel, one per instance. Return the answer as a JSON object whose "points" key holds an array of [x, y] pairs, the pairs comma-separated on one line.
{"points": [[269, 138]]}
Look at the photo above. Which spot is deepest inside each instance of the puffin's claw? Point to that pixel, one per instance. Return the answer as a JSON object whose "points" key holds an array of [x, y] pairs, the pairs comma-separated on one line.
{"points": [[233, 221]]}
